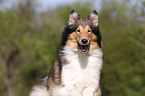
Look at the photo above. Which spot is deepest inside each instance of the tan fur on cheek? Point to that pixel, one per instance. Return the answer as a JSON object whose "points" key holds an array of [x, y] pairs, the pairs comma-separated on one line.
{"points": [[93, 44], [72, 42], [93, 37]]}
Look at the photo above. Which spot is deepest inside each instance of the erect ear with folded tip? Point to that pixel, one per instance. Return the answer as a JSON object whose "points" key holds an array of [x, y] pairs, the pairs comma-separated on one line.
{"points": [[73, 17], [93, 17]]}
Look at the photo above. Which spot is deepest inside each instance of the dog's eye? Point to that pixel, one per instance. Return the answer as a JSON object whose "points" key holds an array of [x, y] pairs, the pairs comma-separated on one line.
{"points": [[78, 30], [89, 30]]}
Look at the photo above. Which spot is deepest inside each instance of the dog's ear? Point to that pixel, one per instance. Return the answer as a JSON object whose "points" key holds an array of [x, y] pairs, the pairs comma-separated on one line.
{"points": [[73, 17], [93, 17]]}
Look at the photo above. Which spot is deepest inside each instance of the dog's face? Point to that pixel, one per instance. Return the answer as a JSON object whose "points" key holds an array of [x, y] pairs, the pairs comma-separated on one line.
{"points": [[83, 35]]}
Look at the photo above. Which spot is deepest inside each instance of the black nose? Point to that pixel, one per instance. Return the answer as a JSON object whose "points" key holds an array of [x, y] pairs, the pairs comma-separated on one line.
{"points": [[84, 41]]}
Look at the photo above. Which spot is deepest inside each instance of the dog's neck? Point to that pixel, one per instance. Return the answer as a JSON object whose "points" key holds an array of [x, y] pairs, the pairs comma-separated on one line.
{"points": [[70, 55], [81, 69]]}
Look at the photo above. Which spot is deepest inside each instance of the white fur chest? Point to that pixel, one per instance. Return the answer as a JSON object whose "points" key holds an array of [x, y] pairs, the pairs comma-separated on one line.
{"points": [[81, 70]]}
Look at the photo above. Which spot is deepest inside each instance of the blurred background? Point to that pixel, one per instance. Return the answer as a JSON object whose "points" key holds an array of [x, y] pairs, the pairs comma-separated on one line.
{"points": [[30, 32]]}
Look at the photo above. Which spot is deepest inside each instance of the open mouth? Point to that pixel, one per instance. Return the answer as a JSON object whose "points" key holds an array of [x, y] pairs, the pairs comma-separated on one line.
{"points": [[83, 47]]}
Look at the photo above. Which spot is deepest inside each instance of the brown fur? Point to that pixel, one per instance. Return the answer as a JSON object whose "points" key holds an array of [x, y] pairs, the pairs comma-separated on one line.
{"points": [[75, 37]]}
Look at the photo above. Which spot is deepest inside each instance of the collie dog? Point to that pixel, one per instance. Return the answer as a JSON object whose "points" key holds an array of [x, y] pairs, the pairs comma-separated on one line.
{"points": [[76, 71]]}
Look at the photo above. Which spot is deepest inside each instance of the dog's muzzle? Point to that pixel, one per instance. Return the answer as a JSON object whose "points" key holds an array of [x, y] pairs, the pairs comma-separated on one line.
{"points": [[83, 45]]}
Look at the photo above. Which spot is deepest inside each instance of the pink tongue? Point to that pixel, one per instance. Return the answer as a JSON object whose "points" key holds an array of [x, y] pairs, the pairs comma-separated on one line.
{"points": [[83, 48]]}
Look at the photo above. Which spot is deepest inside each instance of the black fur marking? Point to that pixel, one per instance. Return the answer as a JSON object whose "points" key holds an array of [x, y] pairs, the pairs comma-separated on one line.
{"points": [[94, 11], [72, 11]]}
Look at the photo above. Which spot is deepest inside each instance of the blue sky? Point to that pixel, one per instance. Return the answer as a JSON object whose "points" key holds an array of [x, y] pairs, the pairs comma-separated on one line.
{"points": [[47, 4], [52, 4]]}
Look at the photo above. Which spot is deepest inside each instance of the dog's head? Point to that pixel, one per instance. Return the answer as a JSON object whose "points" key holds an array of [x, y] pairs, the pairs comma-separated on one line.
{"points": [[83, 35]]}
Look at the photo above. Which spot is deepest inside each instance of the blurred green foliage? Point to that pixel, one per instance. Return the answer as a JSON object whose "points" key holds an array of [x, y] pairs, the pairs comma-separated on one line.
{"points": [[28, 46]]}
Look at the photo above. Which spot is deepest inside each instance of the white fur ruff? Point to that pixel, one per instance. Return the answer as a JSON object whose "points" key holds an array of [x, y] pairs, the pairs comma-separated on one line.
{"points": [[80, 74], [82, 70], [39, 91]]}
